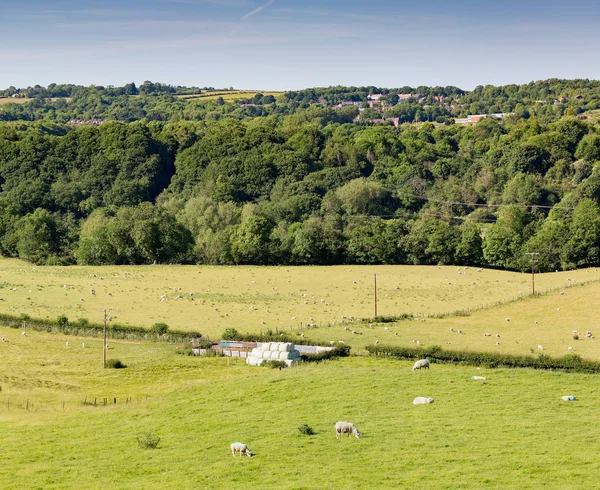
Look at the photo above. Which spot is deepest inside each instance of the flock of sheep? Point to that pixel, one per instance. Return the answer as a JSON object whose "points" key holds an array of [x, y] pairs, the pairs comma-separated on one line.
{"points": [[342, 427]]}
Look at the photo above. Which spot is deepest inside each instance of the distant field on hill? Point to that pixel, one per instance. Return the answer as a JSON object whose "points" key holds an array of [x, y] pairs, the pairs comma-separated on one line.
{"points": [[198, 406], [210, 298], [228, 95], [6, 100]]}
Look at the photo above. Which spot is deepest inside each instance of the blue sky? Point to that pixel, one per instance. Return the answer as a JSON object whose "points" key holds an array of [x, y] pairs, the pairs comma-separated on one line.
{"points": [[292, 44]]}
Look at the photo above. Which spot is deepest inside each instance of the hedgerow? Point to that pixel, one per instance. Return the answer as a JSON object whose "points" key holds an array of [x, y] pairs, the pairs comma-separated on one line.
{"points": [[435, 354]]}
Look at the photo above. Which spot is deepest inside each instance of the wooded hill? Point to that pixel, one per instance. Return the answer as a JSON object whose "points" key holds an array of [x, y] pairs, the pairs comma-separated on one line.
{"points": [[295, 180]]}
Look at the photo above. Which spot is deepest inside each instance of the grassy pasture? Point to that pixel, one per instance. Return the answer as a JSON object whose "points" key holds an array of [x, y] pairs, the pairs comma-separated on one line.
{"points": [[214, 298], [23, 100], [228, 95], [511, 431]]}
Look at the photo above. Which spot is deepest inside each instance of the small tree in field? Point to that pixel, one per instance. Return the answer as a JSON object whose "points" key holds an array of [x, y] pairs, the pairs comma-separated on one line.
{"points": [[160, 328]]}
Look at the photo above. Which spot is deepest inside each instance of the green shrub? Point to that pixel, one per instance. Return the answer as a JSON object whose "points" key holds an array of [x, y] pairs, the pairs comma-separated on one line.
{"points": [[230, 334], [82, 322], [24, 317], [160, 328], [274, 364], [115, 364], [62, 321], [213, 353], [148, 440], [337, 351], [187, 351], [306, 430]]}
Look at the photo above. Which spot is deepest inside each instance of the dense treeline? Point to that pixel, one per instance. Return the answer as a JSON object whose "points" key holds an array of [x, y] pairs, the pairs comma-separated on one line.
{"points": [[310, 187], [548, 100]]}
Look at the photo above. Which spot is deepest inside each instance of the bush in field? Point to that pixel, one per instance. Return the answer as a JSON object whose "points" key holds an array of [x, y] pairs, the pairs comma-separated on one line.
{"points": [[230, 334], [24, 317], [306, 430], [274, 364], [82, 322], [62, 321], [160, 328], [148, 440], [115, 364]]}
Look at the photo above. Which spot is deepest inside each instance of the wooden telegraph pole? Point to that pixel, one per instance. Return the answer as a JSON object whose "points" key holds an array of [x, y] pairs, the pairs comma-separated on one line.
{"points": [[532, 254], [375, 278], [104, 344]]}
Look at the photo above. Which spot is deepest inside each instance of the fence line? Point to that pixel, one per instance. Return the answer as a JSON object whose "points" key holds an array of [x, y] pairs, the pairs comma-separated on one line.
{"points": [[32, 405]]}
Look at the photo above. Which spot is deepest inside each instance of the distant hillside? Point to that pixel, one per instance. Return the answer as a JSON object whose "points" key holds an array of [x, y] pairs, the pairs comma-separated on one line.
{"points": [[321, 176]]}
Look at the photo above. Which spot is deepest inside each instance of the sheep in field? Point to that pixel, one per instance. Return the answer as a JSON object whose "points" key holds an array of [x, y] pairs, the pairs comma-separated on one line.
{"points": [[422, 400], [346, 428], [241, 448], [423, 363]]}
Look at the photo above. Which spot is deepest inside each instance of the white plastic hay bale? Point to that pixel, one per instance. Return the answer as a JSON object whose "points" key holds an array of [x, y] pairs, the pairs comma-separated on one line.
{"points": [[266, 354], [275, 355], [259, 362], [284, 356], [281, 347], [251, 361], [289, 347], [256, 352]]}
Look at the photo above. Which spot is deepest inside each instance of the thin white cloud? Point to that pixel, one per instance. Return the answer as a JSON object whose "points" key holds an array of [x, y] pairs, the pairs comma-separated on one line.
{"points": [[259, 9]]}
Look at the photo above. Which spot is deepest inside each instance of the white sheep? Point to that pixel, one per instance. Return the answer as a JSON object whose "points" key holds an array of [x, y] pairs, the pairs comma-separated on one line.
{"points": [[83, 345], [540, 347], [422, 400], [67, 344], [23, 334], [346, 428], [422, 363], [241, 448]]}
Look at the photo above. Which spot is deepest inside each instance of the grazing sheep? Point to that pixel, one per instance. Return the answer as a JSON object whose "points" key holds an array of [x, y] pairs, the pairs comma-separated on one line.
{"points": [[67, 344], [451, 329], [418, 342], [423, 363], [422, 400], [92, 292], [83, 345], [497, 343], [570, 348], [377, 341], [540, 347], [487, 334], [23, 334], [346, 428], [460, 331], [508, 319], [241, 448], [4, 340], [497, 335]]}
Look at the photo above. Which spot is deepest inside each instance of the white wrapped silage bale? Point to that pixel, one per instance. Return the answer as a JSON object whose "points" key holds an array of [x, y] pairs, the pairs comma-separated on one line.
{"points": [[275, 355], [251, 361], [289, 347], [256, 352], [284, 356], [266, 354], [281, 347], [259, 362]]}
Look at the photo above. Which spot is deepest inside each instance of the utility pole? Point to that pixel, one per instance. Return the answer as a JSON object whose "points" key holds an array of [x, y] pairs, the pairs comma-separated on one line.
{"points": [[532, 254], [375, 278], [104, 344]]}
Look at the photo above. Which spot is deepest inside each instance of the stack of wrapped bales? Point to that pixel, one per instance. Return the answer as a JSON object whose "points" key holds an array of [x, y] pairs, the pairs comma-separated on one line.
{"points": [[273, 351]]}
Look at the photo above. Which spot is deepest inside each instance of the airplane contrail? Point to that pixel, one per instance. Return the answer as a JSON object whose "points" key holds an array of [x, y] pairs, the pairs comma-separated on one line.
{"points": [[259, 9]]}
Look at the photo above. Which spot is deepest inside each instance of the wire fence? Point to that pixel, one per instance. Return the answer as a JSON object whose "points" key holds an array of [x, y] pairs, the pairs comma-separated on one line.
{"points": [[21, 404]]}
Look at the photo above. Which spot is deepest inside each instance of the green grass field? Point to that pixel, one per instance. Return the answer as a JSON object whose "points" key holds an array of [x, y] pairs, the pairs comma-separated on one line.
{"points": [[511, 431], [228, 95], [254, 298], [6, 100]]}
